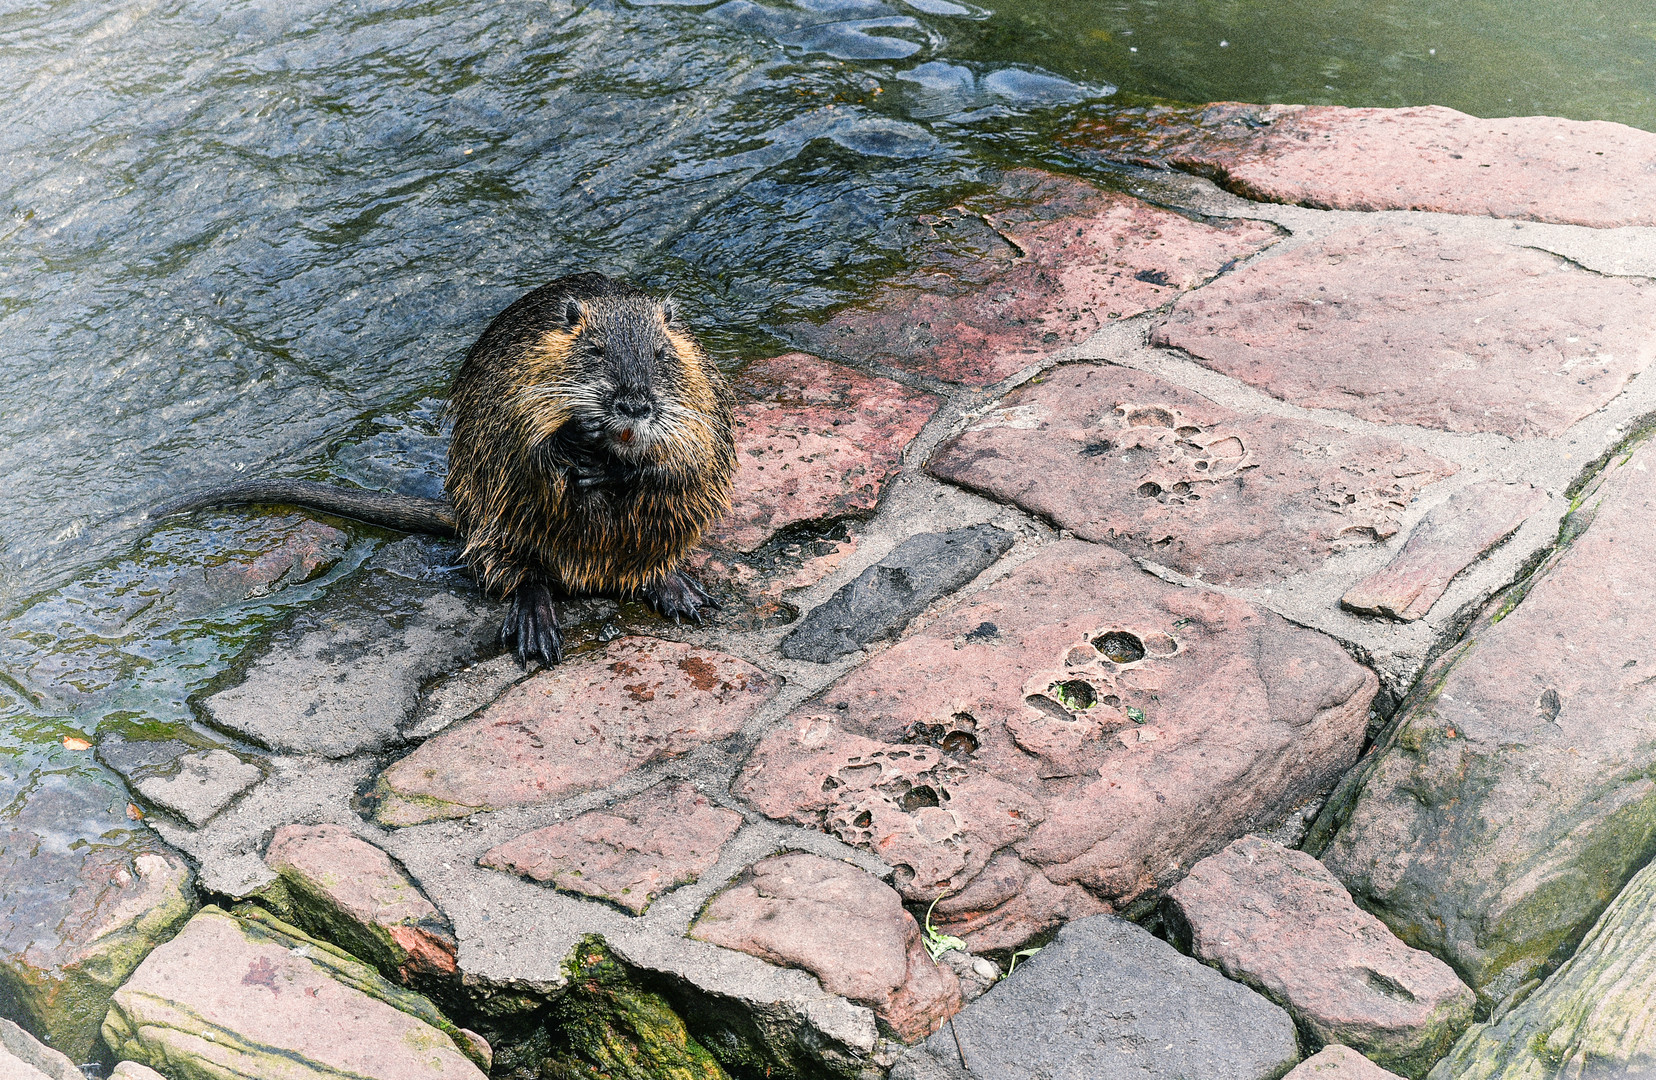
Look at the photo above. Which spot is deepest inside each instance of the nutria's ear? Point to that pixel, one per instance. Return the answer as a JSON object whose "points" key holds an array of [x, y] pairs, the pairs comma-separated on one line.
{"points": [[573, 313], [669, 310]]}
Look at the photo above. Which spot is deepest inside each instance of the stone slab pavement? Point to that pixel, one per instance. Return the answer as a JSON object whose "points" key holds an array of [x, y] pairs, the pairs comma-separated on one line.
{"points": [[1305, 449]]}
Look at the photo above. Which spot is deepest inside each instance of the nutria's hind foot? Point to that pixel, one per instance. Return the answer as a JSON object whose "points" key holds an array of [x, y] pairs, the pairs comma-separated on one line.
{"points": [[531, 626], [677, 596]]}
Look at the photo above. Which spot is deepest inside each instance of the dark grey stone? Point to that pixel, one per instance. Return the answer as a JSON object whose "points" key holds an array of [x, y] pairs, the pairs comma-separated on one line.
{"points": [[894, 590], [1109, 1000], [346, 673]]}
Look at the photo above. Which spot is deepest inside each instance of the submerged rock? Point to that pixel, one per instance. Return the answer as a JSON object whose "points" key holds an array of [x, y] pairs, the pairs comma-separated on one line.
{"points": [[576, 727], [84, 895], [1591, 1018], [1071, 736], [1513, 798], [348, 891], [883, 598], [1278, 921], [629, 854], [1107, 999], [844, 926], [250, 996]]}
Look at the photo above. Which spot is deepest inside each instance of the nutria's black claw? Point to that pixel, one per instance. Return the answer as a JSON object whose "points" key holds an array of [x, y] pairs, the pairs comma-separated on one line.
{"points": [[531, 626], [678, 597]]}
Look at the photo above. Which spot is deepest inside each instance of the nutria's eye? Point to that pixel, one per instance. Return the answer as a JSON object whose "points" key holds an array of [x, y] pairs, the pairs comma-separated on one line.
{"points": [[661, 353]]}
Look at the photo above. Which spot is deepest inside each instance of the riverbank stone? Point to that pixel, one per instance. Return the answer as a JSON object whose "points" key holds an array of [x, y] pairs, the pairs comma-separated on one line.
{"points": [[202, 784], [1590, 1018], [1123, 458], [1106, 999], [1074, 735], [348, 891], [1450, 538], [1427, 157], [1336, 1062], [578, 726], [1037, 264], [1513, 799], [251, 996], [815, 440], [844, 926], [628, 854], [346, 672], [131, 1070], [24, 1057], [1403, 324], [1276, 920], [879, 603], [84, 895]]}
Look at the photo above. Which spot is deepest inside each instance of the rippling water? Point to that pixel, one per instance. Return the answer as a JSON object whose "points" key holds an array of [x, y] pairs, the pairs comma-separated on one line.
{"points": [[256, 237]]}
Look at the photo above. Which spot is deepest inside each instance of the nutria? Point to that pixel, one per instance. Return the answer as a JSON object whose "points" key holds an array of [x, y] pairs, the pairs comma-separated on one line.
{"points": [[591, 449]]}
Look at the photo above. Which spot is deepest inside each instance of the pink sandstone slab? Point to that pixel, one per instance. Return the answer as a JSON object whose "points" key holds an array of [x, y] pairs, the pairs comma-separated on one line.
{"points": [[1336, 1062], [1123, 458], [1063, 258], [1533, 168], [1401, 324], [1064, 741], [1514, 797], [814, 440], [1447, 541], [348, 891], [844, 926], [629, 854], [1278, 921], [576, 727]]}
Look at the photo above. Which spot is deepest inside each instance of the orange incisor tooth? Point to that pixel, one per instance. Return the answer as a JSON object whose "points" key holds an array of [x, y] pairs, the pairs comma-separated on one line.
{"points": [[626, 434]]}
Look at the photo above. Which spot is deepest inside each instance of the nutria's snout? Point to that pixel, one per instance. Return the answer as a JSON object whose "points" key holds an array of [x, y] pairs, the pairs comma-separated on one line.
{"points": [[631, 423]]}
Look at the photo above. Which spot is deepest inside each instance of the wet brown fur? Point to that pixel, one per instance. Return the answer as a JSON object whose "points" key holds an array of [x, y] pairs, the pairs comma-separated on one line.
{"points": [[522, 519]]}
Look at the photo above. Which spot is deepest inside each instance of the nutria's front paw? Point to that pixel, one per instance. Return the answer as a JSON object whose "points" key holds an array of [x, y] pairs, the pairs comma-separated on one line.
{"points": [[676, 596], [531, 626]]}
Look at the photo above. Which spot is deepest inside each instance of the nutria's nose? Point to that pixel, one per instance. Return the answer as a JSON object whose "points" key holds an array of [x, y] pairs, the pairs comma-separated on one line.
{"points": [[633, 408]]}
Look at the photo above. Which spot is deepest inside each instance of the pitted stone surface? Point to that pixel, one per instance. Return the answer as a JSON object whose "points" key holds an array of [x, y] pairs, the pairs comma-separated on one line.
{"points": [[883, 598], [842, 925], [629, 854], [1126, 459], [203, 784], [347, 672], [576, 727], [1061, 258], [1402, 324], [1534, 168], [1591, 1018], [1278, 921], [1080, 725], [1107, 999], [84, 894], [814, 440], [1449, 539], [1513, 800], [1336, 1062], [350, 892], [240, 997]]}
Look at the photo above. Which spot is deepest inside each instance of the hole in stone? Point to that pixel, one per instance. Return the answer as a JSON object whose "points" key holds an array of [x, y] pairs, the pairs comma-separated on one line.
{"points": [[965, 719], [960, 743], [1079, 656], [829, 784], [1181, 488], [1160, 645], [1094, 449], [1187, 430], [1048, 706], [1111, 700], [916, 797], [860, 775], [1388, 986], [1075, 694], [1230, 449], [1150, 489], [1150, 417], [1120, 646], [902, 876], [863, 820], [1201, 466]]}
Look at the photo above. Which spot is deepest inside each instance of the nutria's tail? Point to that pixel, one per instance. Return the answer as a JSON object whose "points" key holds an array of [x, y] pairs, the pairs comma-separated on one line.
{"points": [[406, 513]]}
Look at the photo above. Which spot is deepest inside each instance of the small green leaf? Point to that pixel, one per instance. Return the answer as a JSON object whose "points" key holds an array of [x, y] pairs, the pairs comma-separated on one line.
{"points": [[1135, 715]]}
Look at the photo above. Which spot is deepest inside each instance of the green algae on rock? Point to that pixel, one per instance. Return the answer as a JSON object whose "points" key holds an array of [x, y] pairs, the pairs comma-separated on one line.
{"points": [[1592, 1017], [609, 1026], [247, 995], [1516, 794]]}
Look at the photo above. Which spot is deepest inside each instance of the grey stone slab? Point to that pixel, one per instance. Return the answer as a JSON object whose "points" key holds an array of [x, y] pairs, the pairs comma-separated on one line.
{"points": [[346, 673], [1107, 999], [203, 784], [883, 598]]}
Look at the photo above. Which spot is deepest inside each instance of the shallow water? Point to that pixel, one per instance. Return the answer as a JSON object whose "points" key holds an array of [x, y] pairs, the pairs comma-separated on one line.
{"points": [[252, 237]]}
